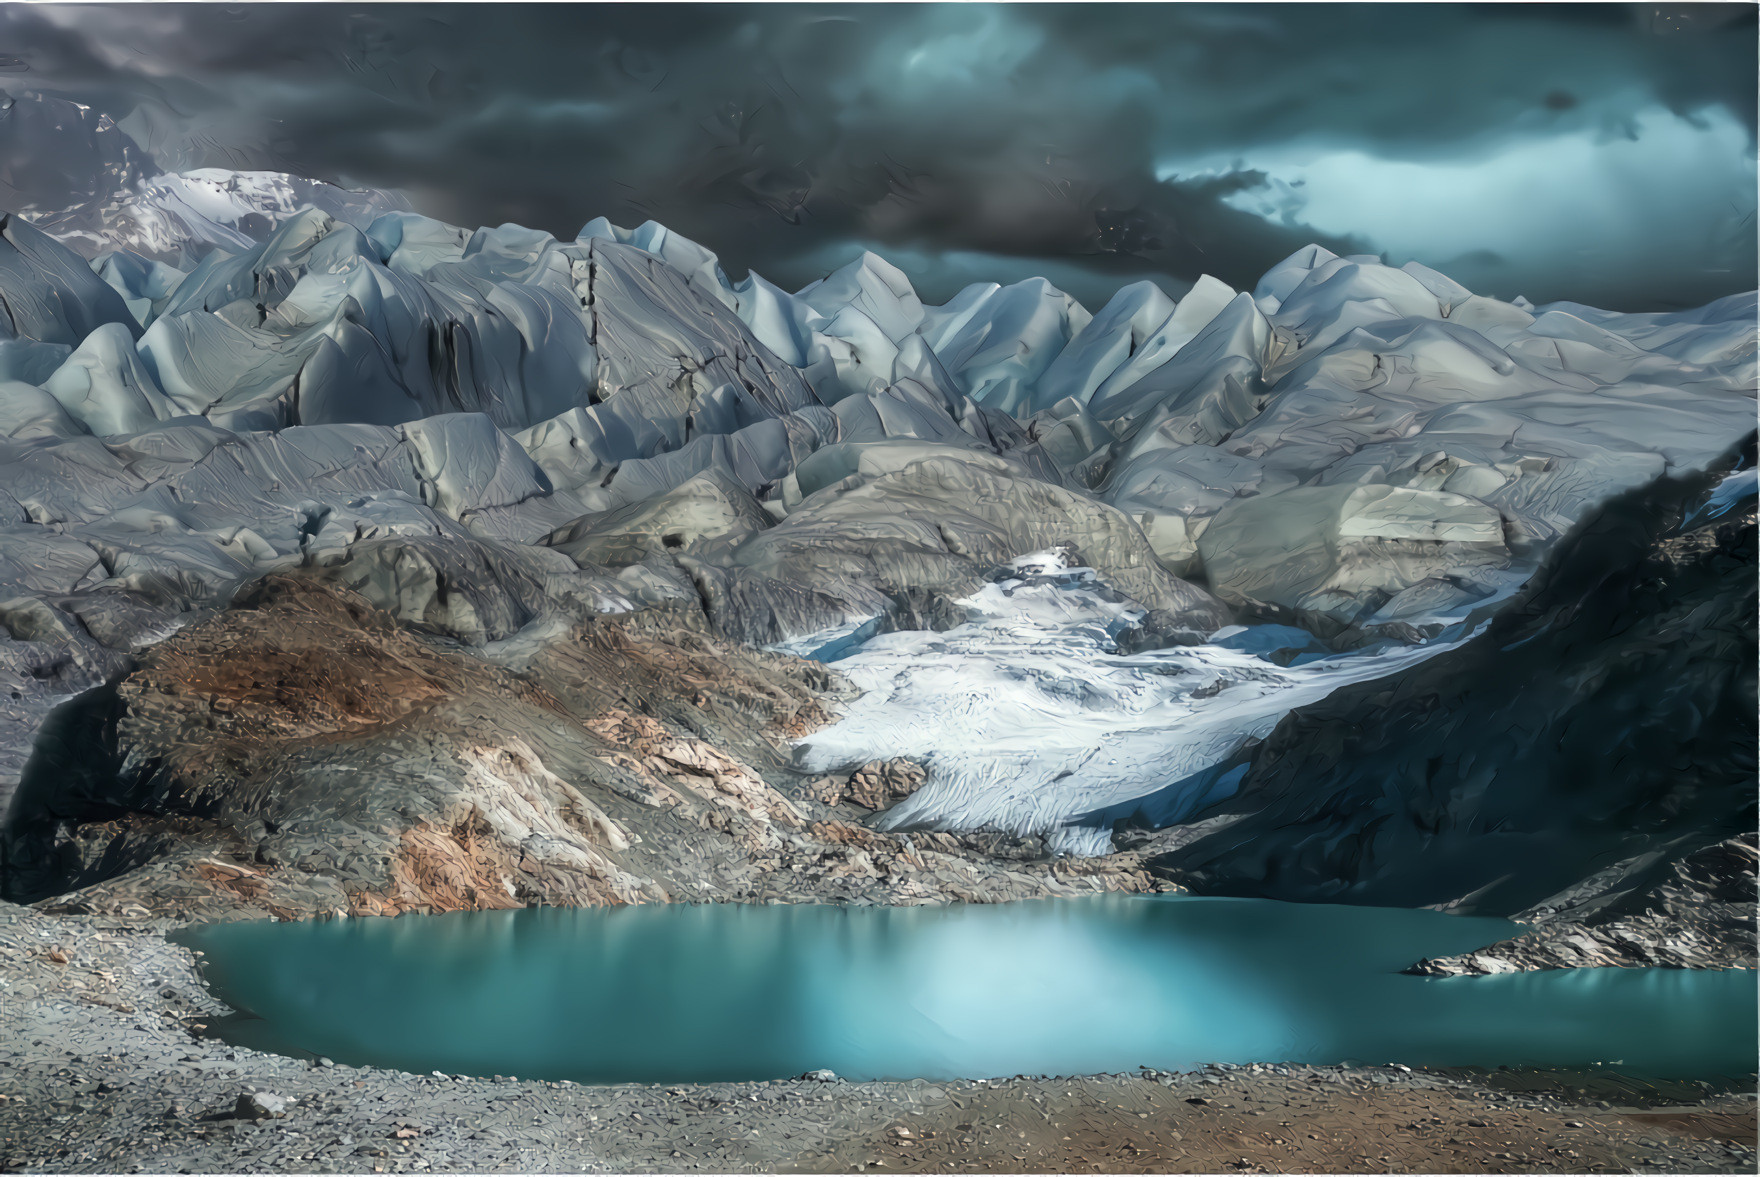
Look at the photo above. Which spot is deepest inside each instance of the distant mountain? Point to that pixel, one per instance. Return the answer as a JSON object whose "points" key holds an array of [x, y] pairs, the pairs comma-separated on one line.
{"points": [[73, 173], [57, 155], [176, 217]]}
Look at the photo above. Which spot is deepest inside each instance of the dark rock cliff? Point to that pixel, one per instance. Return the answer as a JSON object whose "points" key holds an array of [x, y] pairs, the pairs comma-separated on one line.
{"points": [[1606, 716]]}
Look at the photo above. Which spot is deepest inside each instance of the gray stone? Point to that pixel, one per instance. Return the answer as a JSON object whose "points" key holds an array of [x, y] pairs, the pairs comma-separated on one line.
{"points": [[260, 1105]]}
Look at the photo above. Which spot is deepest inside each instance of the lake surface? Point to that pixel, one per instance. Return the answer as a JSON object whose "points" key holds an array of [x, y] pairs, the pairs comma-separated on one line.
{"points": [[730, 992]]}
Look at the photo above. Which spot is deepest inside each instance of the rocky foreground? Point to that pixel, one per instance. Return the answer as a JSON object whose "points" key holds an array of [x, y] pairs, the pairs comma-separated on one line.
{"points": [[107, 1069]]}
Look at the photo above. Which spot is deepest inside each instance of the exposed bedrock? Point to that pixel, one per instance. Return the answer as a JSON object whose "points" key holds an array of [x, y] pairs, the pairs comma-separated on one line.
{"points": [[1604, 716], [1346, 552], [941, 521], [302, 752], [1692, 912]]}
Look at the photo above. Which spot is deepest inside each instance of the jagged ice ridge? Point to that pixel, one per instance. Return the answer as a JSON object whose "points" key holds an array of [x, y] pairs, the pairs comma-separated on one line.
{"points": [[484, 431]]}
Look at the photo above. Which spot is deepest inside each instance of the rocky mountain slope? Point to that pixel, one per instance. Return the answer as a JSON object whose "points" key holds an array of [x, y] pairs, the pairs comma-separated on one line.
{"points": [[302, 753], [1699, 915], [506, 465], [1601, 726]]}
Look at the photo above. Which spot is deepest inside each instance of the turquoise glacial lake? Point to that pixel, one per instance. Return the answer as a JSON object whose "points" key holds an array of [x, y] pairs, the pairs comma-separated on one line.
{"points": [[729, 992]]}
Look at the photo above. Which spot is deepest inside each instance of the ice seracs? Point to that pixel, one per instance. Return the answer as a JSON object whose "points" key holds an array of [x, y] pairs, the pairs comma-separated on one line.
{"points": [[483, 429]]}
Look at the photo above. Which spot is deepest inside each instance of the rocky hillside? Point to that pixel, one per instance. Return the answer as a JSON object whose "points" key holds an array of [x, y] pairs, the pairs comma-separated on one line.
{"points": [[302, 753], [1600, 728], [1699, 915]]}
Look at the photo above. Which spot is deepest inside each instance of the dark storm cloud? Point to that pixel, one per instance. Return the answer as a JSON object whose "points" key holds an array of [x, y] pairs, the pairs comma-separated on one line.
{"points": [[782, 135]]}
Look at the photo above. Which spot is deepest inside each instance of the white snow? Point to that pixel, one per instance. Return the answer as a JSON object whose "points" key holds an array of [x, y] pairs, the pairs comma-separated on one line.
{"points": [[1028, 724], [161, 216]]}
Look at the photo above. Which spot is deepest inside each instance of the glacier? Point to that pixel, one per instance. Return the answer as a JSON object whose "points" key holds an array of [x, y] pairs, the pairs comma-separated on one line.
{"points": [[1031, 721], [483, 430]]}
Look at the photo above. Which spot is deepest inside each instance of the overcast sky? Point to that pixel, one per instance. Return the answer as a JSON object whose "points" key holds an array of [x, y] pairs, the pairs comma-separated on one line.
{"points": [[1599, 153]]}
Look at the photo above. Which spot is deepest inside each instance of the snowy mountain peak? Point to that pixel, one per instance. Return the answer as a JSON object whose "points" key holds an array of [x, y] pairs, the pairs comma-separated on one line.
{"points": [[177, 217]]}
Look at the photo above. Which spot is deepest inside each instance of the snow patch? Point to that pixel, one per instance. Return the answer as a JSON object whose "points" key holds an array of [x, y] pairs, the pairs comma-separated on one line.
{"points": [[1032, 723]]}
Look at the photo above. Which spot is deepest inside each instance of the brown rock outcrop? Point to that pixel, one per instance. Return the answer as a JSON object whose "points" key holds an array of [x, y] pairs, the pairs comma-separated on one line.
{"points": [[878, 784], [305, 753], [302, 753]]}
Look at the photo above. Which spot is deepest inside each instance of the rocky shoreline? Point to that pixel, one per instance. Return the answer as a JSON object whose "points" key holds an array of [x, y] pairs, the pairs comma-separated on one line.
{"points": [[1699, 916], [107, 1068]]}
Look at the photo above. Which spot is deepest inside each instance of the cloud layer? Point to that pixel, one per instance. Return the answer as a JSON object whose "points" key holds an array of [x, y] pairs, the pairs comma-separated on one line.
{"points": [[1609, 149]]}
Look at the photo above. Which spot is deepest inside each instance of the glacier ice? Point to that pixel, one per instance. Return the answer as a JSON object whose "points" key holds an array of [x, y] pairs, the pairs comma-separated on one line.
{"points": [[255, 372], [1031, 721]]}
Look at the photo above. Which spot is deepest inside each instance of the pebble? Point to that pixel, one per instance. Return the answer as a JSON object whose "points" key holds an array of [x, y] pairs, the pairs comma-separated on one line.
{"points": [[260, 1105]]}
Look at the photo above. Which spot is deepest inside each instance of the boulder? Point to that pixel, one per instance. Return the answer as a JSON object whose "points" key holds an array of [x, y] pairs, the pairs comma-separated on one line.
{"points": [[880, 784], [260, 1105]]}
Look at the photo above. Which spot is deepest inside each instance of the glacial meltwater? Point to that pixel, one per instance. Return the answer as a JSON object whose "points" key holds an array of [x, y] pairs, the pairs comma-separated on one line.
{"points": [[731, 992]]}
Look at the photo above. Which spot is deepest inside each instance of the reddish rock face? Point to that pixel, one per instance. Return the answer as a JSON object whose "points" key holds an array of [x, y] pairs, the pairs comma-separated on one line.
{"points": [[440, 796], [878, 784], [304, 753]]}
